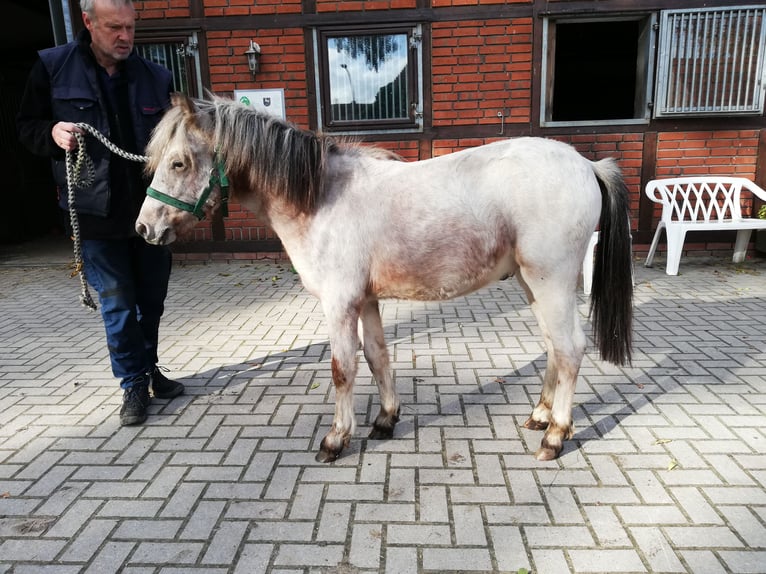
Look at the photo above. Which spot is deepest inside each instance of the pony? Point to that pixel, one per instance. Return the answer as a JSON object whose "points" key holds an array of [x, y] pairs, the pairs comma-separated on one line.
{"points": [[360, 225]]}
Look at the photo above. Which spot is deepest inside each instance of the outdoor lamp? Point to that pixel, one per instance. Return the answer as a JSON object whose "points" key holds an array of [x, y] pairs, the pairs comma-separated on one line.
{"points": [[253, 54]]}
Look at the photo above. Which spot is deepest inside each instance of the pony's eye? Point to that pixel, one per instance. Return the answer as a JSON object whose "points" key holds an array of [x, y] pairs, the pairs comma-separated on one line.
{"points": [[177, 164]]}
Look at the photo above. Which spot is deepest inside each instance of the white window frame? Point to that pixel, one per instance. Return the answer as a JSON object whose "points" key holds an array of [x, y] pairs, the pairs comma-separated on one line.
{"points": [[184, 60], [416, 105], [709, 87]]}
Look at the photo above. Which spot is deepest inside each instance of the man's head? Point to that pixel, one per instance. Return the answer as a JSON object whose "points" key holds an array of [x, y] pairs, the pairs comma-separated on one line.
{"points": [[112, 26]]}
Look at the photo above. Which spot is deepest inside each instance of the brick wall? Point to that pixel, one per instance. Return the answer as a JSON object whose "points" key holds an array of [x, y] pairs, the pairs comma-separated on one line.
{"points": [[162, 9], [480, 68], [728, 152], [249, 7]]}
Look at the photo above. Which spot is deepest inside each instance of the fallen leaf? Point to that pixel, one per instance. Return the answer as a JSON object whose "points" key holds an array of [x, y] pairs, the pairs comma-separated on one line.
{"points": [[314, 386], [500, 380], [662, 441], [5, 495], [673, 464]]}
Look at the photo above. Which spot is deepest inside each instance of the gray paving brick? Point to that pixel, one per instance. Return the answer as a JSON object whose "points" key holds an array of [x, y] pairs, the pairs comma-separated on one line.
{"points": [[224, 545], [166, 552], [746, 562], [74, 519], [742, 520], [606, 561], [656, 549], [365, 546], [202, 521], [606, 526], [549, 561], [15, 550], [702, 537], [110, 558], [695, 505], [446, 559], [255, 559], [401, 560], [309, 555], [88, 541], [575, 536]]}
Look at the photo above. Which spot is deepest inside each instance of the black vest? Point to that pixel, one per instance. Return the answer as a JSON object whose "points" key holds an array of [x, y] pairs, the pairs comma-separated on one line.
{"points": [[77, 97]]}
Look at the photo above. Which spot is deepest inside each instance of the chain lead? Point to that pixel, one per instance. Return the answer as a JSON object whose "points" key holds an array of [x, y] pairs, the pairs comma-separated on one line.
{"points": [[78, 162]]}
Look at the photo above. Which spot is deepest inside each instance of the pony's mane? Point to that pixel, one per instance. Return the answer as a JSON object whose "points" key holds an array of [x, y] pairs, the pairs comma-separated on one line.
{"points": [[259, 150]]}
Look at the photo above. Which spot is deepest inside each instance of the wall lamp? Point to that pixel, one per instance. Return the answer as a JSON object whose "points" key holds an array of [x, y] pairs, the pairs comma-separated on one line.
{"points": [[253, 54]]}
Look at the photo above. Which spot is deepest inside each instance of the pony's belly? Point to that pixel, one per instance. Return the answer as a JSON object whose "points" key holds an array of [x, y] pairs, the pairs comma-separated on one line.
{"points": [[436, 287]]}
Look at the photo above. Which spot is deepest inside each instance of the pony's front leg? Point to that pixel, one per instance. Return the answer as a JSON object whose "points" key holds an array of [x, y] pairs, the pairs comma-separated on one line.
{"points": [[344, 343], [376, 354]]}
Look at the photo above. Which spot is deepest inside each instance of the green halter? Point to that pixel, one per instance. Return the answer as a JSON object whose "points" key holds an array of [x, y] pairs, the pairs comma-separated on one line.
{"points": [[217, 179]]}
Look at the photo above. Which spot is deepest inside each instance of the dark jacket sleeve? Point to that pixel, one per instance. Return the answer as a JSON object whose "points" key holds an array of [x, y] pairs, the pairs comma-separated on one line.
{"points": [[34, 121]]}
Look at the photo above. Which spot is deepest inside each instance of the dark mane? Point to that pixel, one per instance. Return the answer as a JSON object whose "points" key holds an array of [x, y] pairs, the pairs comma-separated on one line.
{"points": [[275, 156], [260, 151]]}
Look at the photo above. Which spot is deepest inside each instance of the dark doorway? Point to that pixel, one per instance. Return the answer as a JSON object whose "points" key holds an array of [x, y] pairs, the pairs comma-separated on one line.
{"points": [[595, 70], [28, 194]]}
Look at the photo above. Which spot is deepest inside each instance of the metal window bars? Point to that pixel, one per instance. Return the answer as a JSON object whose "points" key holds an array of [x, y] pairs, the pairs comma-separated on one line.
{"points": [[711, 62]]}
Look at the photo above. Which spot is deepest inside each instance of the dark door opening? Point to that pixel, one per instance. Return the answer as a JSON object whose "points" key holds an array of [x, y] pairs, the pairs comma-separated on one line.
{"points": [[28, 194]]}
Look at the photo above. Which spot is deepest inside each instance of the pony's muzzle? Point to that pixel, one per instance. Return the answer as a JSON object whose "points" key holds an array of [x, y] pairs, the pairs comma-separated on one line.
{"points": [[150, 236]]}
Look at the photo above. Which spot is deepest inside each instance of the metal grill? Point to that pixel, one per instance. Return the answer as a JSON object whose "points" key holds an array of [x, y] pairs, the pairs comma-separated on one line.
{"points": [[711, 61], [172, 57]]}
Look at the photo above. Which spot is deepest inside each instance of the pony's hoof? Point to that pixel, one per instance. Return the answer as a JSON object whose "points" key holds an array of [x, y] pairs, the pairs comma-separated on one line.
{"points": [[546, 453], [381, 433], [383, 427], [550, 447], [325, 456], [328, 453], [532, 424]]}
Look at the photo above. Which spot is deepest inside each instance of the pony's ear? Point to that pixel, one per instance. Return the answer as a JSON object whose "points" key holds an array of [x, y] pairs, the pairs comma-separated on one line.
{"points": [[183, 101]]}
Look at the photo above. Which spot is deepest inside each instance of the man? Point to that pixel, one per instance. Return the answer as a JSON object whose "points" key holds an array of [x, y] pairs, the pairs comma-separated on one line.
{"points": [[101, 81]]}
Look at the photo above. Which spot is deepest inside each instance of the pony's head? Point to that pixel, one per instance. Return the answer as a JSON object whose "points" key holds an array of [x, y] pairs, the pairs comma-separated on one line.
{"points": [[184, 187]]}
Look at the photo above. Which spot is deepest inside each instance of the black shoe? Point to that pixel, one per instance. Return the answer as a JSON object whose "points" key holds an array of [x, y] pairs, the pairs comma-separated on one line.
{"points": [[135, 401], [162, 387]]}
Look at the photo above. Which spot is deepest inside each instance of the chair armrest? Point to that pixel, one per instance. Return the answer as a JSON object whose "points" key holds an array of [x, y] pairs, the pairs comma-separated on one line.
{"points": [[757, 191]]}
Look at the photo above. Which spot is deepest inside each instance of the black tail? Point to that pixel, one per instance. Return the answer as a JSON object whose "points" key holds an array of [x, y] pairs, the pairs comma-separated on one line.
{"points": [[611, 304]]}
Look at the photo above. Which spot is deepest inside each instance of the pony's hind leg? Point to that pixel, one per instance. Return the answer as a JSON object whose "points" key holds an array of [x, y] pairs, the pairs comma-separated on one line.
{"points": [[376, 354], [344, 342], [541, 414], [556, 312]]}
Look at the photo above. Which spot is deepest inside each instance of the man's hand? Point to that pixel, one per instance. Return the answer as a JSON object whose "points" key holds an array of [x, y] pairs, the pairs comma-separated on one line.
{"points": [[63, 135]]}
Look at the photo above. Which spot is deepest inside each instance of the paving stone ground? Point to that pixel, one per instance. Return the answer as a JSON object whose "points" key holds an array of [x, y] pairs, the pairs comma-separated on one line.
{"points": [[666, 472]]}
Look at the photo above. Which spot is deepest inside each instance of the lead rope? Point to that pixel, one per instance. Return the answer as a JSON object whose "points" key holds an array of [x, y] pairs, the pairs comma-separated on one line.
{"points": [[77, 162]]}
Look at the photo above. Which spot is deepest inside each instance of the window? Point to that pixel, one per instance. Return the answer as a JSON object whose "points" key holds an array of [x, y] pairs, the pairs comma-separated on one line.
{"points": [[369, 79], [711, 62], [596, 71], [180, 56]]}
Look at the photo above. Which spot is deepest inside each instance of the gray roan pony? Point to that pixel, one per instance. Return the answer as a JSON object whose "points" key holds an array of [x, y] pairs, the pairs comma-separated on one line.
{"points": [[359, 226]]}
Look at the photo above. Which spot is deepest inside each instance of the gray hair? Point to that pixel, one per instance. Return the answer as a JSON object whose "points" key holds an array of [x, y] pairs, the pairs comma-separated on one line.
{"points": [[88, 6]]}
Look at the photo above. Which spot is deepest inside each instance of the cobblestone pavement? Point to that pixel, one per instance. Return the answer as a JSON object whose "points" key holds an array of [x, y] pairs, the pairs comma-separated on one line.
{"points": [[666, 473]]}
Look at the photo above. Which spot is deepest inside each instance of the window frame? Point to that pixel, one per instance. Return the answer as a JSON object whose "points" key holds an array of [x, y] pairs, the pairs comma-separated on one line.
{"points": [[186, 47], [414, 78], [668, 41], [644, 69]]}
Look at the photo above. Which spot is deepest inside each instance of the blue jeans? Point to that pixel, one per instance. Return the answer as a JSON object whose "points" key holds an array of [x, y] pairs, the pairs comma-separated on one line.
{"points": [[131, 278]]}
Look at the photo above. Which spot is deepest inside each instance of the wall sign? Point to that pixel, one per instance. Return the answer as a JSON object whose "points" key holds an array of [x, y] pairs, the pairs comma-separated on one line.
{"points": [[266, 101]]}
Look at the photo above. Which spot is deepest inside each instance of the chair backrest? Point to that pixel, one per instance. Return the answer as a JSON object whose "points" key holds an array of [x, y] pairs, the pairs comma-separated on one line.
{"points": [[708, 199]]}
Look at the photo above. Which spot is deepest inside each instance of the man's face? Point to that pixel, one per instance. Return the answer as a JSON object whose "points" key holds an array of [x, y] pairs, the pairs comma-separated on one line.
{"points": [[112, 30]]}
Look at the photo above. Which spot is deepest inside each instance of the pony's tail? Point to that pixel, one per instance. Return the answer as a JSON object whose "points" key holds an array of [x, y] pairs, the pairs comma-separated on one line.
{"points": [[611, 304]]}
